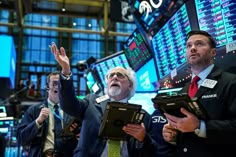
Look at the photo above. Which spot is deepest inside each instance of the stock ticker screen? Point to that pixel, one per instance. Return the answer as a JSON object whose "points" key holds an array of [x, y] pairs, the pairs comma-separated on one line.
{"points": [[218, 18], [107, 63], [169, 43], [136, 50]]}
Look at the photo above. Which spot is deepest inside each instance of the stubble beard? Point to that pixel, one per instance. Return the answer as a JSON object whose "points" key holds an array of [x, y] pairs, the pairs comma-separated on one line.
{"points": [[199, 62]]}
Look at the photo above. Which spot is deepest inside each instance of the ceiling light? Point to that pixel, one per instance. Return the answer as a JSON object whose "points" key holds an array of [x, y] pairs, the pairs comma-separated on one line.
{"points": [[63, 9]]}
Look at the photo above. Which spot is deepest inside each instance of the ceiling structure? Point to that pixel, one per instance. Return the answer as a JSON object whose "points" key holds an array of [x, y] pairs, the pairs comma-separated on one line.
{"points": [[98, 9]]}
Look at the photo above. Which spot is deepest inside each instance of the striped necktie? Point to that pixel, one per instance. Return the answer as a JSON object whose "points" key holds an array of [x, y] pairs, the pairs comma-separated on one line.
{"points": [[57, 126]]}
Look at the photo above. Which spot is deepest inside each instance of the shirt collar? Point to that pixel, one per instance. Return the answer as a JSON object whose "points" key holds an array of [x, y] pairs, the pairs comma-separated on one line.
{"points": [[203, 74], [123, 100], [52, 104]]}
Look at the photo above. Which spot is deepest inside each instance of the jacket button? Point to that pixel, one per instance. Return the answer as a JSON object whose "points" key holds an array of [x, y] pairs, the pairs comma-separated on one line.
{"points": [[185, 149]]}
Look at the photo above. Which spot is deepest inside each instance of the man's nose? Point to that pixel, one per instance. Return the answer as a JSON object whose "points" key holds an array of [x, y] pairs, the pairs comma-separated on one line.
{"points": [[193, 48], [114, 77]]}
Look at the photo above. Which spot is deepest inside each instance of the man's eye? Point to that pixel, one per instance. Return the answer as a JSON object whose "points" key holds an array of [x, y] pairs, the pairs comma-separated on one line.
{"points": [[111, 75], [119, 75], [188, 46], [199, 44]]}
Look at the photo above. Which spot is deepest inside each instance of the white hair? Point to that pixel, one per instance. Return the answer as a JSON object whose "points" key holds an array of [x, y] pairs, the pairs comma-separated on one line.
{"points": [[131, 77]]}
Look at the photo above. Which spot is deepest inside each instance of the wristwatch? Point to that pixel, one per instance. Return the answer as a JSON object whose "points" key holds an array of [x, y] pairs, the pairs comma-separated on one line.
{"points": [[66, 77], [197, 131]]}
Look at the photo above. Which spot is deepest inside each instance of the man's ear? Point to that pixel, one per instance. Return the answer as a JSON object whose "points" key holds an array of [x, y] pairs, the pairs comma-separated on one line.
{"points": [[213, 52], [130, 84]]}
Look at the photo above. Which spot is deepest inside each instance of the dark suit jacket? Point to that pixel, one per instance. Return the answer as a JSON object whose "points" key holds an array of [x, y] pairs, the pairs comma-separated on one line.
{"points": [[29, 135], [220, 104], [164, 149], [91, 114]]}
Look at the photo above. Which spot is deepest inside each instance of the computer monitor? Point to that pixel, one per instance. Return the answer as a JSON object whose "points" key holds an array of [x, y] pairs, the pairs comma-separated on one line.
{"points": [[8, 130], [92, 82], [217, 18], [144, 99], [102, 66], [147, 80], [3, 112], [169, 43], [152, 15], [8, 59], [137, 50], [169, 91]]}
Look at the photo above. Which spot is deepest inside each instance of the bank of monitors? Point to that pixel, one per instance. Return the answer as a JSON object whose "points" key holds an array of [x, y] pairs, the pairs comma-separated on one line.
{"points": [[152, 15], [169, 42], [137, 50], [218, 18], [109, 62], [7, 129]]}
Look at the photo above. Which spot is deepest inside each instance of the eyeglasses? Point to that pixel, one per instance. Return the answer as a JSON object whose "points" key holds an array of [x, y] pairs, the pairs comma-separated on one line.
{"points": [[118, 74]]}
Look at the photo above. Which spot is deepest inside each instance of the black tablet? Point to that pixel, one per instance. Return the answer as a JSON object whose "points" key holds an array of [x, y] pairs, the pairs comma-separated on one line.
{"points": [[172, 105], [116, 116], [66, 131]]}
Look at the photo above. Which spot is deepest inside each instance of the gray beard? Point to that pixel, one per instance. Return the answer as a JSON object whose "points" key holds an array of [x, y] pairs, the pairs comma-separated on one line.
{"points": [[114, 91]]}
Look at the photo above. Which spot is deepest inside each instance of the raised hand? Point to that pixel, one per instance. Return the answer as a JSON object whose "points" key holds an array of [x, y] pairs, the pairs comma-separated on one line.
{"points": [[44, 113], [61, 58]]}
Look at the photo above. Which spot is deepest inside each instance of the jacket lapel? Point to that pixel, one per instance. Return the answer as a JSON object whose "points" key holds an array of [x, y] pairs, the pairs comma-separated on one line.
{"points": [[215, 73], [103, 105]]}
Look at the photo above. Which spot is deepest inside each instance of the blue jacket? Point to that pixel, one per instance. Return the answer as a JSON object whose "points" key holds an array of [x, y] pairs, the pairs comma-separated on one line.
{"points": [[29, 135], [164, 149], [91, 114]]}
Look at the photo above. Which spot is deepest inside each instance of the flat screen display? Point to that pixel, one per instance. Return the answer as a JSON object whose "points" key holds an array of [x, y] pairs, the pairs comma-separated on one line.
{"points": [[102, 66], [136, 50], [218, 18], [153, 14], [92, 82], [8, 130], [169, 43], [8, 59], [144, 99], [147, 79]]}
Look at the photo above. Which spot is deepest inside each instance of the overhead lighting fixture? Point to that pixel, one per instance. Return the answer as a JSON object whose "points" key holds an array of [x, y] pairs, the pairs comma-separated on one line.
{"points": [[63, 9]]}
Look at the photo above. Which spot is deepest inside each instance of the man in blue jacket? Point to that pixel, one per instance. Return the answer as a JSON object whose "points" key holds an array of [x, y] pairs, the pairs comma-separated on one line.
{"points": [[164, 149], [36, 129], [121, 85]]}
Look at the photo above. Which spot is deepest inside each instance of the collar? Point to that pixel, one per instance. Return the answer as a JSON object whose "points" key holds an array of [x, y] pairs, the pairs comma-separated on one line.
{"points": [[123, 100], [203, 74], [52, 104]]}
